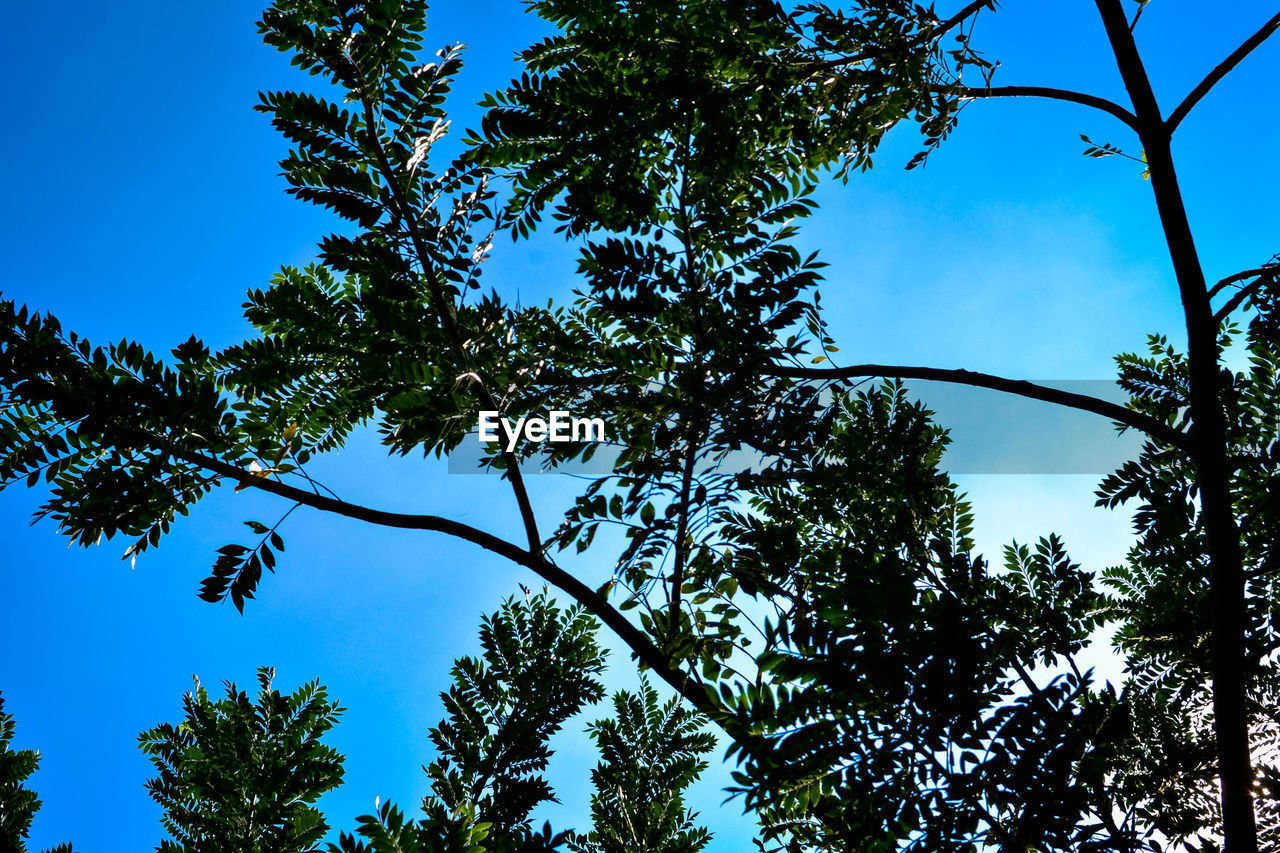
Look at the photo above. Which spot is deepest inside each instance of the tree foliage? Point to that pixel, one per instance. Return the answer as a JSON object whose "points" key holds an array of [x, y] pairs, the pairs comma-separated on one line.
{"points": [[650, 752], [539, 667], [244, 773], [898, 691], [18, 803]]}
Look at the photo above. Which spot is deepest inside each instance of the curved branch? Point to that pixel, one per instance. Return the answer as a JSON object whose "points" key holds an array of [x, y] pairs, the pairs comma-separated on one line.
{"points": [[972, 8], [1240, 276], [1114, 411], [1221, 70], [1265, 276], [1094, 101], [382, 518], [641, 646]]}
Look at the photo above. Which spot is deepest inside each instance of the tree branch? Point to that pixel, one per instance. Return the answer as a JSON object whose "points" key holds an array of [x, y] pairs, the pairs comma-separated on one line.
{"points": [[1094, 101], [641, 646], [951, 23], [1208, 448], [1142, 7], [1265, 276], [403, 521], [941, 30], [958, 18], [1128, 417], [1240, 276], [445, 308], [1221, 70]]}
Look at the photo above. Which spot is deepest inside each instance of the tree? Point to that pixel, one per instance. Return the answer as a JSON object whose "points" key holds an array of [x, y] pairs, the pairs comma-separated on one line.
{"points": [[237, 774], [539, 668], [856, 75], [243, 775], [18, 804], [650, 753], [679, 140], [900, 704]]}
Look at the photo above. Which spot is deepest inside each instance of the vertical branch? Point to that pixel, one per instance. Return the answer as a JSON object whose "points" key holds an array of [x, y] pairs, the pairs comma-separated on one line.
{"points": [[682, 524], [1222, 70], [444, 306], [693, 437], [1208, 448]]}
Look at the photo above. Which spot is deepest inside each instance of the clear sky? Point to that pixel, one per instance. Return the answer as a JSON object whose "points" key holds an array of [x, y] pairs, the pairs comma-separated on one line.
{"points": [[141, 199]]}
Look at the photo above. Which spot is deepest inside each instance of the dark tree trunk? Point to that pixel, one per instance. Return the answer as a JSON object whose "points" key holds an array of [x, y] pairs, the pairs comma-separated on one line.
{"points": [[1208, 449]]}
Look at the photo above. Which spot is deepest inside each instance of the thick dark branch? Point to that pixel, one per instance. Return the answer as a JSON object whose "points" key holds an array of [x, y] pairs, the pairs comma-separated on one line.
{"points": [[1265, 276], [1222, 70], [1097, 103], [1209, 440], [1094, 101], [1128, 417], [641, 646], [403, 521], [1240, 276]]}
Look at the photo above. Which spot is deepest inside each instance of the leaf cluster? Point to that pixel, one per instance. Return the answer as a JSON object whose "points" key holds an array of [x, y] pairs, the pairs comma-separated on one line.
{"points": [[18, 803], [895, 707], [540, 666], [244, 773], [650, 752]]}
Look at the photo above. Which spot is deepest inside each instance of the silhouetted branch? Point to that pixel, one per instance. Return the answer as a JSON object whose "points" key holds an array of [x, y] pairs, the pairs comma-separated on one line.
{"points": [[1142, 7], [1229, 676], [641, 646], [1094, 101], [445, 309], [1265, 276], [1022, 388], [958, 18], [1240, 276], [1221, 70]]}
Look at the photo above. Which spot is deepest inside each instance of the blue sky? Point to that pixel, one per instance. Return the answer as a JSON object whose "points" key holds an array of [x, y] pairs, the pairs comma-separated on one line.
{"points": [[142, 199]]}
